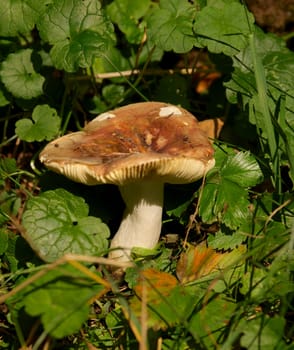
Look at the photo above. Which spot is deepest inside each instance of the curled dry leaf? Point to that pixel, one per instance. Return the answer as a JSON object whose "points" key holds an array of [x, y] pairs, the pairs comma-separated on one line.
{"points": [[212, 127]]}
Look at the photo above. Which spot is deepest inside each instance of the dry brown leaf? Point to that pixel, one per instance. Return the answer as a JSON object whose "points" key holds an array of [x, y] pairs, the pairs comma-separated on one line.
{"points": [[212, 127], [198, 261], [155, 282]]}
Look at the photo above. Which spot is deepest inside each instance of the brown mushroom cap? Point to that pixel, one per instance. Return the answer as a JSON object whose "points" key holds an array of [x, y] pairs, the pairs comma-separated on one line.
{"points": [[142, 140]]}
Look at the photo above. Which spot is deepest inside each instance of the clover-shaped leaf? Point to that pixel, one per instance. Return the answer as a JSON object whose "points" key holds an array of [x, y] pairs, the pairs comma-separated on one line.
{"points": [[83, 32], [170, 26], [225, 195], [57, 222], [44, 125], [19, 75]]}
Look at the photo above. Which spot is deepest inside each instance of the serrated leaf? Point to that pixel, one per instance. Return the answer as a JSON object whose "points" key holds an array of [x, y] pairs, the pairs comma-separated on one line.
{"points": [[223, 27], [60, 298], [228, 185], [44, 125], [56, 223], [83, 32], [19, 75], [170, 26], [19, 16], [226, 241]]}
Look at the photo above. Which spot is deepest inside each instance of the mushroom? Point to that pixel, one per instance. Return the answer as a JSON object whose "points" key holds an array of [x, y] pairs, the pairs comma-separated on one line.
{"points": [[138, 147]]}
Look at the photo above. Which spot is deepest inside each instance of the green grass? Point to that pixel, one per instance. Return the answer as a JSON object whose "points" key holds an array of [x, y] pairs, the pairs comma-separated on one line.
{"points": [[222, 275]]}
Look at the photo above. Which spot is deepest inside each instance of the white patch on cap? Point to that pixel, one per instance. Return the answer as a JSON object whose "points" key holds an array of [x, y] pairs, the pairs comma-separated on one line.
{"points": [[104, 116], [168, 111]]}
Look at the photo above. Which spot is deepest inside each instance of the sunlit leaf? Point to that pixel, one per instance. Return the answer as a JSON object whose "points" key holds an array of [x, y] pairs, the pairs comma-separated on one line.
{"points": [[19, 75], [19, 16], [56, 223], [199, 261], [196, 262], [44, 125]]}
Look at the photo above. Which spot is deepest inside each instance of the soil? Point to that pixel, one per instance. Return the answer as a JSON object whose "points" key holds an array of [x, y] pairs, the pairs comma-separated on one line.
{"points": [[272, 15]]}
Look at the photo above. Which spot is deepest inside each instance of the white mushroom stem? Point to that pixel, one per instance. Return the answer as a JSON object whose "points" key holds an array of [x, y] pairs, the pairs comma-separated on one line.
{"points": [[141, 223]]}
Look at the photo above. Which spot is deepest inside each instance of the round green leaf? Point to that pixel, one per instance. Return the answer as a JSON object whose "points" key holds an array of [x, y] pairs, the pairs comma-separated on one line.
{"points": [[170, 26], [224, 27], [60, 298], [19, 76], [44, 125], [57, 222], [18, 16], [83, 32]]}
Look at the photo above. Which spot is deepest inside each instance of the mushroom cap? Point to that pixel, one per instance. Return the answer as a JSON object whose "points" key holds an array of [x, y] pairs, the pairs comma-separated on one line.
{"points": [[146, 140]]}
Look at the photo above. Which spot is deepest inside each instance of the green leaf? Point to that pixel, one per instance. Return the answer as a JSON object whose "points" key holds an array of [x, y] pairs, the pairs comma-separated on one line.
{"points": [[44, 125], [211, 322], [170, 26], [226, 241], [8, 166], [56, 223], [126, 14], [168, 303], [263, 331], [3, 241], [242, 169], [222, 26], [83, 32], [19, 16], [113, 93], [3, 99], [19, 75], [19, 254], [60, 298], [227, 184]]}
